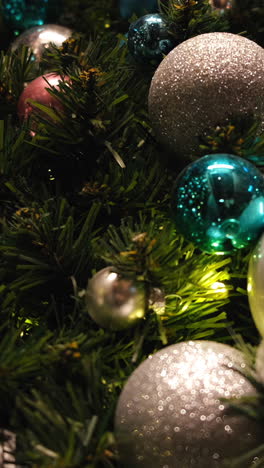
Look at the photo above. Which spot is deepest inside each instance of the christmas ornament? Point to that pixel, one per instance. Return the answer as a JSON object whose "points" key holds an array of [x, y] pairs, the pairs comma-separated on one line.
{"points": [[218, 203], [260, 362], [37, 91], [256, 284], [114, 302], [138, 7], [206, 81], [39, 38], [149, 39], [7, 448], [222, 5], [23, 14], [171, 413]]}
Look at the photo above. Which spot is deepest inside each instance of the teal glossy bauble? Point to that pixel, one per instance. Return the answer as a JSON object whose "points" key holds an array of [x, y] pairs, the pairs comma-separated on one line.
{"points": [[23, 14], [218, 203], [149, 40]]}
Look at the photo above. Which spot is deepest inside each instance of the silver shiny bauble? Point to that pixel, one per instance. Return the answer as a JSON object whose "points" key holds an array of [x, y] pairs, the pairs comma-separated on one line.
{"points": [[39, 38], [256, 285], [114, 302], [206, 81], [171, 412]]}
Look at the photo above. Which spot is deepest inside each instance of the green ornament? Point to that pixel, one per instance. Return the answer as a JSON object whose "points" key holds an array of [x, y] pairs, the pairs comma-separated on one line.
{"points": [[256, 285]]}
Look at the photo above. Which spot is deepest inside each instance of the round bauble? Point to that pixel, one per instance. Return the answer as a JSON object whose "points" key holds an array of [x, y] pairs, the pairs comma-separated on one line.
{"points": [[114, 302], [39, 38], [22, 14], [37, 91], [171, 413], [149, 39], [206, 81], [138, 7], [218, 203], [256, 284]]}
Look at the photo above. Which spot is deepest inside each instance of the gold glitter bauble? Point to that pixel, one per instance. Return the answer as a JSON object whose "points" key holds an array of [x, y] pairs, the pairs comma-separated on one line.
{"points": [[206, 81], [172, 413], [39, 38]]}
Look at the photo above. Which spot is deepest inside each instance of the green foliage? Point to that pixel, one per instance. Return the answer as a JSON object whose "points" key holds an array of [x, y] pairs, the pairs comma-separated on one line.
{"points": [[92, 187]]}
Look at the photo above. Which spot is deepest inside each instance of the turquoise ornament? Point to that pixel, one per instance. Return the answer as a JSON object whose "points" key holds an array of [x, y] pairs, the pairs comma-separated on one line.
{"points": [[138, 7], [218, 203], [149, 40], [23, 14]]}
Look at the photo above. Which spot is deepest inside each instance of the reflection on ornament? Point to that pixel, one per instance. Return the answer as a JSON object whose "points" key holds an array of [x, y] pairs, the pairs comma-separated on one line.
{"points": [[37, 91], [206, 81], [222, 4], [149, 39], [171, 411], [157, 301], [39, 38], [114, 302], [7, 449], [138, 7], [256, 285], [218, 203]]}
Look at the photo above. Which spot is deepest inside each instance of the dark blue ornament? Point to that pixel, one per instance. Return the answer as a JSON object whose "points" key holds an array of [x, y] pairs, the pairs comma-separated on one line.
{"points": [[218, 203], [23, 14], [149, 39], [138, 7]]}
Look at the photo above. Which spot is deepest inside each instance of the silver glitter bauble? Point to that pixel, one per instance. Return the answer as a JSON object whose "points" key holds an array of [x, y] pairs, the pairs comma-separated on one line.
{"points": [[39, 38], [206, 81], [171, 414], [114, 302], [255, 286]]}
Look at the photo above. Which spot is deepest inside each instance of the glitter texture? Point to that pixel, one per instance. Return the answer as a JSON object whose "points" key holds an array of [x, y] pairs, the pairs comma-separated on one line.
{"points": [[218, 203], [171, 414], [256, 285], [204, 82], [39, 38], [114, 302]]}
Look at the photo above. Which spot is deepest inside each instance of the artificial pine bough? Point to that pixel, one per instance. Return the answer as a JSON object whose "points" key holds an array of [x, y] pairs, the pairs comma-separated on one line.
{"points": [[88, 184]]}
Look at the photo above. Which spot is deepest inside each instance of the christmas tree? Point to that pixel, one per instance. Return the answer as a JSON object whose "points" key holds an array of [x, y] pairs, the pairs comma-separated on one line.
{"points": [[132, 213]]}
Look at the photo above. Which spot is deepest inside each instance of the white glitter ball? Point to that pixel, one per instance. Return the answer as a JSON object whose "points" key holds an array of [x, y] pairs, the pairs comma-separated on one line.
{"points": [[171, 413], [206, 81]]}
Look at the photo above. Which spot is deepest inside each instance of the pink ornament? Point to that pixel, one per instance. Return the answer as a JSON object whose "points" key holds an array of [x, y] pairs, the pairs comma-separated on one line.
{"points": [[37, 91]]}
